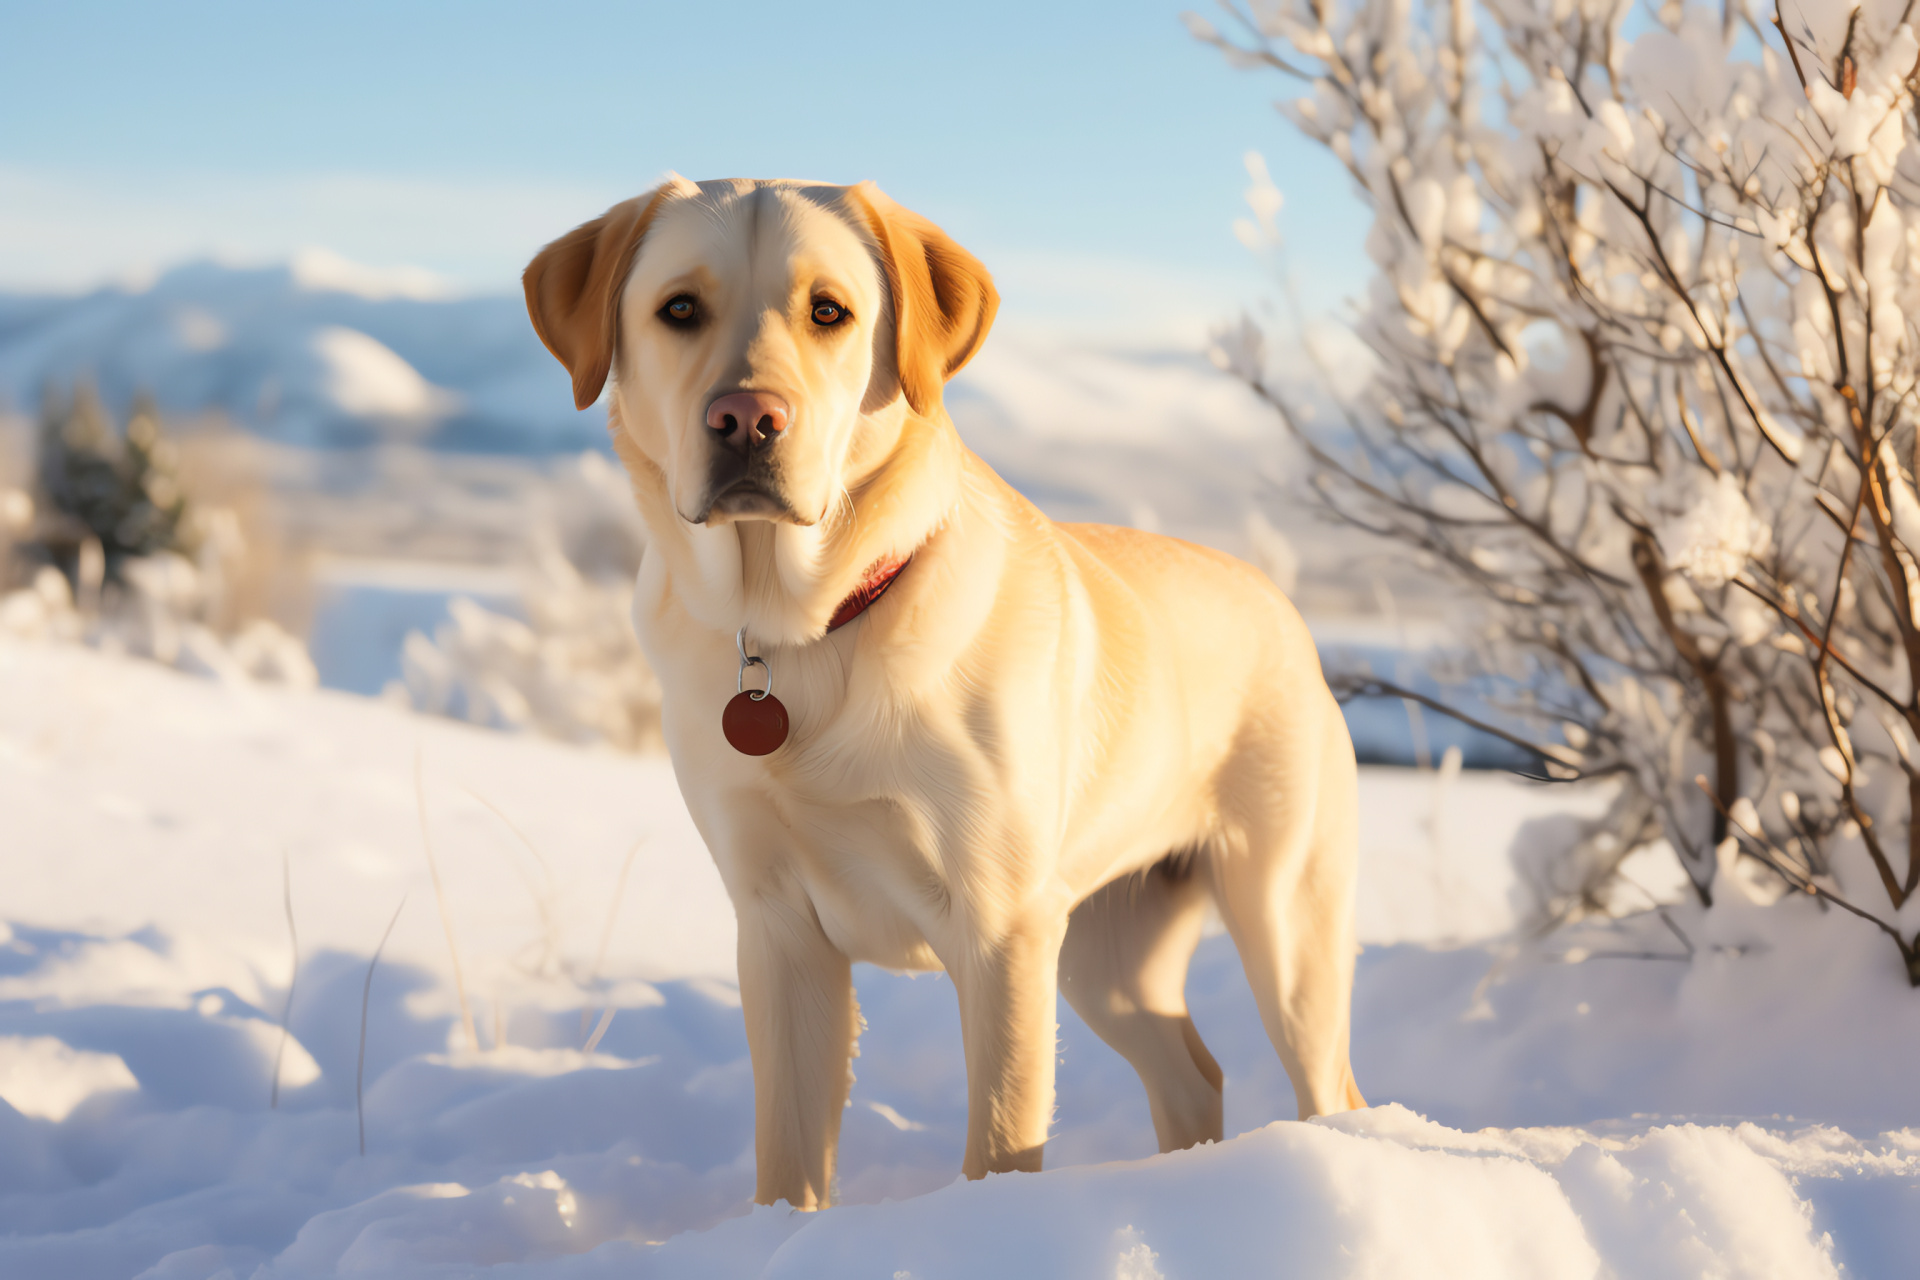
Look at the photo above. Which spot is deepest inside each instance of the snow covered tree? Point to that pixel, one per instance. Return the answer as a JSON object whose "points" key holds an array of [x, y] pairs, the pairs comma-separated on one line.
{"points": [[1643, 320]]}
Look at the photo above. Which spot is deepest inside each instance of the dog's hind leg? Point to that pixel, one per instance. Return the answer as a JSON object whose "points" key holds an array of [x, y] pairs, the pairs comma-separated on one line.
{"points": [[1284, 875], [1123, 968]]}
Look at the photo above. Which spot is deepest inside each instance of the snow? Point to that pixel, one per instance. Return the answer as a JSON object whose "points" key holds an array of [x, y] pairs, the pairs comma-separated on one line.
{"points": [[365, 379], [1713, 539], [1379, 1194], [45, 1077], [1742, 1113], [108, 760], [365, 608]]}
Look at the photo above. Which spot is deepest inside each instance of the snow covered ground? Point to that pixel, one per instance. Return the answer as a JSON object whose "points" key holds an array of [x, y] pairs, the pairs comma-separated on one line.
{"points": [[1728, 1096]]}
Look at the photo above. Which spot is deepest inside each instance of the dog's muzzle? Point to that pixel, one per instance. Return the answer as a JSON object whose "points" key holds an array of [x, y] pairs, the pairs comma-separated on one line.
{"points": [[743, 479]]}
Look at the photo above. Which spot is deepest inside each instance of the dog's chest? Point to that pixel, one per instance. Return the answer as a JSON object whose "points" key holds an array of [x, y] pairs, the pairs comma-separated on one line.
{"points": [[854, 832], [872, 879]]}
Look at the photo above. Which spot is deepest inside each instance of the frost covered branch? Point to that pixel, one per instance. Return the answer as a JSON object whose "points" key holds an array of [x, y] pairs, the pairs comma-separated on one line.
{"points": [[1644, 387]]}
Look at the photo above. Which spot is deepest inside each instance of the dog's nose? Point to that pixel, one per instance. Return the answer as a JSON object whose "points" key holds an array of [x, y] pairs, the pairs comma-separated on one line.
{"points": [[748, 418]]}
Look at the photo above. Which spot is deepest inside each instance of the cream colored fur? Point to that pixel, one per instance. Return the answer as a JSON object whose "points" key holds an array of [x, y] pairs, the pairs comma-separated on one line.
{"points": [[1035, 761]]}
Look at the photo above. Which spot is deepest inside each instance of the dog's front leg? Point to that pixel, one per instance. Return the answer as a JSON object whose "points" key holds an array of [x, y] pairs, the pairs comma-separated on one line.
{"points": [[1006, 991], [796, 990]]}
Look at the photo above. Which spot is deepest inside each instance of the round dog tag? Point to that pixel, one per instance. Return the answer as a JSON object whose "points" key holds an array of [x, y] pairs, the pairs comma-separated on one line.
{"points": [[755, 723]]}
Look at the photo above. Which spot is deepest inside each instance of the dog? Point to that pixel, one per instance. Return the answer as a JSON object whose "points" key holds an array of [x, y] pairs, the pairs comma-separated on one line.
{"points": [[1030, 754]]}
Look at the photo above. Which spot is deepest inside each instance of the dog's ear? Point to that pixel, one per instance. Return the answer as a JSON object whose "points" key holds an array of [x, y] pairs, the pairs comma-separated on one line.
{"points": [[943, 299], [573, 290]]}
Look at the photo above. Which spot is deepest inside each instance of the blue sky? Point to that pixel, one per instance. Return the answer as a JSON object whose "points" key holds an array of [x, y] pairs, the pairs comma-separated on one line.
{"points": [[1089, 152]]}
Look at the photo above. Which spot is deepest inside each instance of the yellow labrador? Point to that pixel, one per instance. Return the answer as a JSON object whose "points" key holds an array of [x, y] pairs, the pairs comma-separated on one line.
{"points": [[1032, 763]]}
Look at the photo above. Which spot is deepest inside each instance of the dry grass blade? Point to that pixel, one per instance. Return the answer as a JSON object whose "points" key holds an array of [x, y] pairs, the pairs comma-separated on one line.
{"points": [[366, 996], [293, 976], [606, 940], [543, 895], [511, 825], [600, 1029], [446, 916]]}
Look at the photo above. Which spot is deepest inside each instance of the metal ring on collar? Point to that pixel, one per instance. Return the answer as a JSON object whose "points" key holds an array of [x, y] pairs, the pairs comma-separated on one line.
{"points": [[740, 682]]}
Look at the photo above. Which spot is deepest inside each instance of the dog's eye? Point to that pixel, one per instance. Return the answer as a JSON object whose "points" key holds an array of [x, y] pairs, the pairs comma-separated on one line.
{"points": [[680, 309], [827, 313]]}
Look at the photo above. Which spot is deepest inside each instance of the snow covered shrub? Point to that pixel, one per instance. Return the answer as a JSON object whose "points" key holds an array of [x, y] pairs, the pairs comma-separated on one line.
{"points": [[572, 668], [1645, 365], [118, 556]]}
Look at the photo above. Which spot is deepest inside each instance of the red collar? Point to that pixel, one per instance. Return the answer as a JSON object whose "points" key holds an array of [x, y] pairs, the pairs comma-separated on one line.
{"points": [[875, 585]]}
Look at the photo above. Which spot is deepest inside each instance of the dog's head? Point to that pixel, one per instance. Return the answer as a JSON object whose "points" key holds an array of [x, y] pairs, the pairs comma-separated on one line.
{"points": [[762, 336]]}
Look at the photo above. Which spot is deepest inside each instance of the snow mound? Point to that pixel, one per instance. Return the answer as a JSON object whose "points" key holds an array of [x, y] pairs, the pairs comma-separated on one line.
{"points": [[1380, 1193], [365, 379], [42, 1076]]}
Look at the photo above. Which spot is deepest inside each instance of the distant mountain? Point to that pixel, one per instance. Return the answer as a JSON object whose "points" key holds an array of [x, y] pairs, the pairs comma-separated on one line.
{"points": [[316, 353], [324, 354], [320, 352]]}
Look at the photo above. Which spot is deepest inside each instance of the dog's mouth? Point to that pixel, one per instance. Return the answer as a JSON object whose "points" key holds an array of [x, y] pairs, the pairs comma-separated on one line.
{"points": [[748, 498], [745, 486]]}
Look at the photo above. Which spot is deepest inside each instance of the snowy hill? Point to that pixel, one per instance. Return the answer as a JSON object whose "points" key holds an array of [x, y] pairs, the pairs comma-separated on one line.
{"points": [[322, 352], [603, 1124], [316, 352]]}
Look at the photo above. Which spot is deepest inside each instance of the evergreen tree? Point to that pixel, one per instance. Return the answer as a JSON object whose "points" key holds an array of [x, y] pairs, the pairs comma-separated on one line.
{"points": [[96, 484]]}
